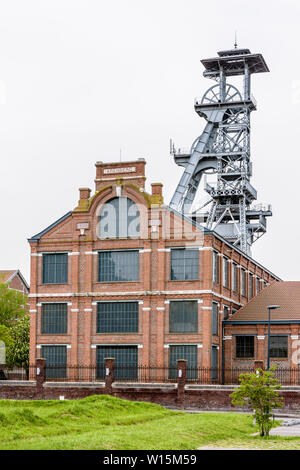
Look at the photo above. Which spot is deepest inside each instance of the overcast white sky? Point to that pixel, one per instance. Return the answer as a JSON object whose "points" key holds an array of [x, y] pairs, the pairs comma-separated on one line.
{"points": [[80, 79]]}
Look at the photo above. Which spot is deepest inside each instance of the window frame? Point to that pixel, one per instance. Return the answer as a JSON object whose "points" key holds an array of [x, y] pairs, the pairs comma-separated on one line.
{"points": [[225, 272], [47, 256], [215, 319], [44, 322], [108, 281], [234, 277], [215, 267], [272, 355], [251, 355], [185, 270], [126, 317], [195, 313]]}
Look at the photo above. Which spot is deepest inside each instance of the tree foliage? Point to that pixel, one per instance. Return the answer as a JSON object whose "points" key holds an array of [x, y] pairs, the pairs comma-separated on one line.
{"points": [[18, 350], [259, 391], [14, 325], [12, 305]]}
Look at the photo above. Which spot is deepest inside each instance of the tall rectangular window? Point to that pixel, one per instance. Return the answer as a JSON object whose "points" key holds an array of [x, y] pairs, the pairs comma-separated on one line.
{"points": [[183, 317], [54, 318], [117, 317], [257, 285], [214, 322], [126, 361], [55, 268], [250, 286], [243, 282], [226, 312], [234, 277], [278, 346], [118, 266], [184, 264], [225, 272], [189, 353], [214, 362], [215, 267], [56, 361], [244, 346]]}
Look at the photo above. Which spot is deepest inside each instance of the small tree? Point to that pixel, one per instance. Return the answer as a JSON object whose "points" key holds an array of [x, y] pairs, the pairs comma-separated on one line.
{"points": [[12, 305], [18, 350], [259, 391]]}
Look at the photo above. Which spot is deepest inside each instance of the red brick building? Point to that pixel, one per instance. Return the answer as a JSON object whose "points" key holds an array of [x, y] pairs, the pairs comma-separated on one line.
{"points": [[123, 275], [246, 332], [14, 279]]}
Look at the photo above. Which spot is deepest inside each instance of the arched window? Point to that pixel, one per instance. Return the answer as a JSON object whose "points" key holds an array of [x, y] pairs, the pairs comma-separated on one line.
{"points": [[119, 218]]}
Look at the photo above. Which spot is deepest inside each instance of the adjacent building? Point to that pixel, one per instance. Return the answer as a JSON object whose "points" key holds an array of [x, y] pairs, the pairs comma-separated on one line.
{"points": [[15, 280], [123, 275], [246, 332]]}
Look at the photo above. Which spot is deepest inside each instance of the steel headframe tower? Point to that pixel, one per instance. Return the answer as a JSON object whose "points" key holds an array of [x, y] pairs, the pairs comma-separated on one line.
{"points": [[224, 148]]}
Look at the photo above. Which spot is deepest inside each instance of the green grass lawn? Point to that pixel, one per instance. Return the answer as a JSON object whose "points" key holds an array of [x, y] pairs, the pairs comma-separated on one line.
{"points": [[104, 422]]}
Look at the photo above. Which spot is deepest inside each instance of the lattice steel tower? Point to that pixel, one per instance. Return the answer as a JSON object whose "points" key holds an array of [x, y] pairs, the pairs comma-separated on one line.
{"points": [[224, 148]]}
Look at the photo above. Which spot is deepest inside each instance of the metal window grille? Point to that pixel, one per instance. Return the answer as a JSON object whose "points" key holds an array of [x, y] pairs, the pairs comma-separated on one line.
{"points": [[189, 353], [54, 318], [119, 218], [278, 346], [126, 361], [183, 317], [55, 268], [117, 317], [244, 346], [184, 264], [118, 266], [225, 272], [234, 277], [56, 361], [215, 310]]}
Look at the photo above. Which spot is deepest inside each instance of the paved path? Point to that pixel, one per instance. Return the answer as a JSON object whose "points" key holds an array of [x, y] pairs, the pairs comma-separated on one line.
{"points": [[293, 431]]}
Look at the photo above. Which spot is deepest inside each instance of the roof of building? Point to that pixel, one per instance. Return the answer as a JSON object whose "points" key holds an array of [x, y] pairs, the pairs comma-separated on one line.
{"points": [[6, 275], [285, 293]]}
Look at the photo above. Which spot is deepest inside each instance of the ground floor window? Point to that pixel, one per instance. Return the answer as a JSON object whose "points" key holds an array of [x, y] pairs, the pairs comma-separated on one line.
{"points": [[278, 346], [244, 346], [56, 361], [187, 352], [126, 361], [214, 362]]}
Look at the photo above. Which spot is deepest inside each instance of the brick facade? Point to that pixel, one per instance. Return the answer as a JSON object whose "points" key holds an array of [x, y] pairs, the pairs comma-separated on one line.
{"points": [[77, 234]]}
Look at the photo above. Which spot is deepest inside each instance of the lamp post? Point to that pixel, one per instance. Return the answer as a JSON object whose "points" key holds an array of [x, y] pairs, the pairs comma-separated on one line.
{"points": [[270, 307]]}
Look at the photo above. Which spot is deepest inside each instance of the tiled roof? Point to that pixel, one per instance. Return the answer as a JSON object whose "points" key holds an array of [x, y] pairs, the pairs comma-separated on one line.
{"points": [[5, 275], [286, 294]]}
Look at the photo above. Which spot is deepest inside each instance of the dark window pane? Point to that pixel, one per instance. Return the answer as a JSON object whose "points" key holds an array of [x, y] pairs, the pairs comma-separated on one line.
{"points": [[215, 267], [55, 268], [119, 218], [189, 353], [215, 310], [54, 318], [278, 346], [117, 317], [126, 361], [118, 266], [244, 346], [225, 272], [183, 317], [214, 362], [184, 264], [234, 277], [56, 361]]}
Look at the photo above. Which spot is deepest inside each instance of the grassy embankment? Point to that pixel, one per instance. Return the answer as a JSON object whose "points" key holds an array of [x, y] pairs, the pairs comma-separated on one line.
{"points": [[104, 422]]}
